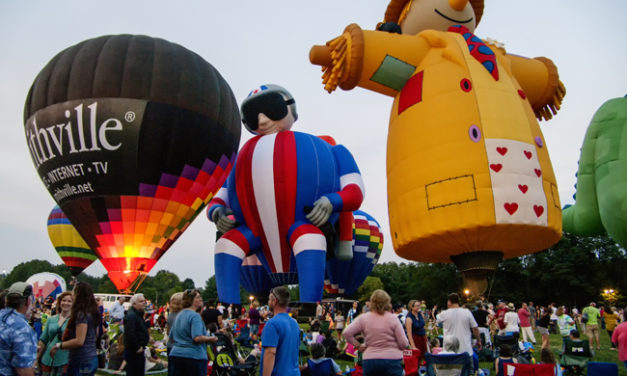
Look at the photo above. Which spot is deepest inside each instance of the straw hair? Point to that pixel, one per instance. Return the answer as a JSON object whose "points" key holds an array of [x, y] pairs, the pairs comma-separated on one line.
{"points": [[396, 10]]}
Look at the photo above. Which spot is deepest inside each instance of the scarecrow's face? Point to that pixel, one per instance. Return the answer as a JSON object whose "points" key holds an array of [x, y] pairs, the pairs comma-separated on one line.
{"points": [[438, 15]]}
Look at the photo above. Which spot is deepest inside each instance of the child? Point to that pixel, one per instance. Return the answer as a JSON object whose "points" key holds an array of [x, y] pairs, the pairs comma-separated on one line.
{"points": [[435, 346], [547, 357], [505, 357], [318, 365]]}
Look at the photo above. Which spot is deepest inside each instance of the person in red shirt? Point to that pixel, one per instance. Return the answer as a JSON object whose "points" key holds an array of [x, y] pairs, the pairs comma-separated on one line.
{"points": [[619, 338], [500, 316], [525, 324]]}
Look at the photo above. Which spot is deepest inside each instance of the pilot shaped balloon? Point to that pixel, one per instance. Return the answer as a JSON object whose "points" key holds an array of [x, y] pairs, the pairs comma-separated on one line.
{"points": [[283, 187], [469, 174]]}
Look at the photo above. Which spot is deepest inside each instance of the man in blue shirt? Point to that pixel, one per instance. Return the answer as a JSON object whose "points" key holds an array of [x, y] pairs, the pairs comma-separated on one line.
{"points": [[117, 310], [280, 338], [18, 341]]}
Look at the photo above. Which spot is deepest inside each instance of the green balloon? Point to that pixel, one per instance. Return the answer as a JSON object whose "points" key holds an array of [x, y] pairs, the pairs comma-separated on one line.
{"points": [[601, 198]]}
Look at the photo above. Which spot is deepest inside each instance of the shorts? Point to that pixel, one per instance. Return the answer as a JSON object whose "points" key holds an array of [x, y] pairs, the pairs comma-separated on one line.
{"points": [[543, 330], [592, 330]]}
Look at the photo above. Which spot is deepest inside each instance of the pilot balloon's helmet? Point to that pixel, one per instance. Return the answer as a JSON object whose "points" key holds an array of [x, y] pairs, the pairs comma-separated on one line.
{"points": [[271, 100]]}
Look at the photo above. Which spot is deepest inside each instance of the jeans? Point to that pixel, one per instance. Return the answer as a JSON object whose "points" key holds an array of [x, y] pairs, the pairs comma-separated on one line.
{"points": [[83, 368], [179, 366], [382, 367], [135, 364]]}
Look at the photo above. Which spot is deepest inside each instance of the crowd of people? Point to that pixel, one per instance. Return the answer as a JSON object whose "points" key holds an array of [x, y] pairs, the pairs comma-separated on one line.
{"points": [[73, 335]]}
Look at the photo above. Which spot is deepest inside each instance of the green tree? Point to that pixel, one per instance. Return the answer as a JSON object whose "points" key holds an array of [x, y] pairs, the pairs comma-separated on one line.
{"points": [[188, 283], [367, 288], [210, 292], [159, 288]]}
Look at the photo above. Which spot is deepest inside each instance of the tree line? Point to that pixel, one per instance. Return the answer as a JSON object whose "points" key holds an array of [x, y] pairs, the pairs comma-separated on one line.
{"points": [[573, 272]]}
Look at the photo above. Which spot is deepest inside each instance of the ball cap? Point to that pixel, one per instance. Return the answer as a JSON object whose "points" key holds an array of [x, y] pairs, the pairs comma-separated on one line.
{"points": [[20, 288]]}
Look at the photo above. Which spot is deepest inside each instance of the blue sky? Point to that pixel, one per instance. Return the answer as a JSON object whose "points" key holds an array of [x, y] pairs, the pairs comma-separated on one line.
{"points": [[255, 42]]}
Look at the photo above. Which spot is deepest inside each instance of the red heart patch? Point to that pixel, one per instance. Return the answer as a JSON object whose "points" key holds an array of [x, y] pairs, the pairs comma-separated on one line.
{"points": [[528, 154], [539, 209], [502, 150], [523, 188], [511, 207], [496, 167], [538, 172]]}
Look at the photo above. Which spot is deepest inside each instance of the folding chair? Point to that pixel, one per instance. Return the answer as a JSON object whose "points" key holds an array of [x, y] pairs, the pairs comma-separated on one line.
{"points": [[602, 369], [449, 364], [517, 369], [576, 355]]}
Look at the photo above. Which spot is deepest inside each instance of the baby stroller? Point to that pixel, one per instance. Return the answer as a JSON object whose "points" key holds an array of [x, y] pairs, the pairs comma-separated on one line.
{"points": [[523, 353], [226, 359]]}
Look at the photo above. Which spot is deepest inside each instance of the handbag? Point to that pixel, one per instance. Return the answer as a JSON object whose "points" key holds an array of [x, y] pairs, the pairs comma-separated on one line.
{"points": [[410, 359]]}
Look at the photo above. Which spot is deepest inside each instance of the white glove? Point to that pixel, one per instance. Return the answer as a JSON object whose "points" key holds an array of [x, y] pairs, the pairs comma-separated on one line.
{"points": [[321, 211], [221, 219]]}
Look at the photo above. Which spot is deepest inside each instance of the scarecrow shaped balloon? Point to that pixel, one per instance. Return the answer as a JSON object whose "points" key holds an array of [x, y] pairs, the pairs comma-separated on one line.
{"points": [[132, 136], [469, 174], [284, 186]]}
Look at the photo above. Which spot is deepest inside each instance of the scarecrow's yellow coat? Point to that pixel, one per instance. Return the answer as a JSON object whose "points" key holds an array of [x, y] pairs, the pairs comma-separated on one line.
{"points": [[467, 166]]}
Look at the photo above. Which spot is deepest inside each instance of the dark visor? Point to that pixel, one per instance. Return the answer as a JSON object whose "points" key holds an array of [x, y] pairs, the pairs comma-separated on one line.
{"points": [[270, 104]]}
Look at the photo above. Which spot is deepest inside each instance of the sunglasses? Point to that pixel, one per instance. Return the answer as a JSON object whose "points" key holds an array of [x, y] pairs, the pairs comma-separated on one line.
{"points": [[270, 104]]}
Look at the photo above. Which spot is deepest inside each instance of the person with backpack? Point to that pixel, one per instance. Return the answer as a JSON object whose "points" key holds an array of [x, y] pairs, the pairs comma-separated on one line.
{"points": [[591, 316]]}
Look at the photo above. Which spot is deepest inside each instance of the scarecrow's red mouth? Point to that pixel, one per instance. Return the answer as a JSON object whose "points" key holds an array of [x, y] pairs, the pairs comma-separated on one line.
{"points": [[452, 19]]}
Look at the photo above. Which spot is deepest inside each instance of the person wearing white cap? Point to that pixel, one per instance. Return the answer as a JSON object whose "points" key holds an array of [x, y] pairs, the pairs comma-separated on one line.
{"points": [[18, 341]]}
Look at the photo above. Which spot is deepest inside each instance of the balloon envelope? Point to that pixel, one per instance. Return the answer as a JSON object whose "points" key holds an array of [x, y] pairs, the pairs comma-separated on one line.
{"points": [[254, 277], [46, 284], [601, 199], [345, 277], [68, 243], [132, 136]]}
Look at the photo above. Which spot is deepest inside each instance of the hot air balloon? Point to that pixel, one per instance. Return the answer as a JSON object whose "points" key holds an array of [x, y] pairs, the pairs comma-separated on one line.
{"points": [[278, 175], [473, 183], [132, 136], [254, 277], [345, 277], [46, 284], [601, 199], [69, 244]]}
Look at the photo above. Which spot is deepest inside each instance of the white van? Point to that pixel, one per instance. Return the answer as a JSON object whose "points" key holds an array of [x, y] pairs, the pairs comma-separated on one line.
{"points": [[109, 299]]}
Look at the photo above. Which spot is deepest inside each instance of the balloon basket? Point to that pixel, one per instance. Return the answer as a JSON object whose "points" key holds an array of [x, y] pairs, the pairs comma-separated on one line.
{"points": [[475, 268]]}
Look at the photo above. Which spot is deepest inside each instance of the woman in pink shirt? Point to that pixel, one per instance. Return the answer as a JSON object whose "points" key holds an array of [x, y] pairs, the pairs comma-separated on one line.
{"points": [[384, 338], [619, 338]]}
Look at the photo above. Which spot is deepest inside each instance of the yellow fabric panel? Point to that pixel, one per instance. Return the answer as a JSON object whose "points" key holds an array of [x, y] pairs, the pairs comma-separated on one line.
{"points": [[395, 45], [429, 144]]}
